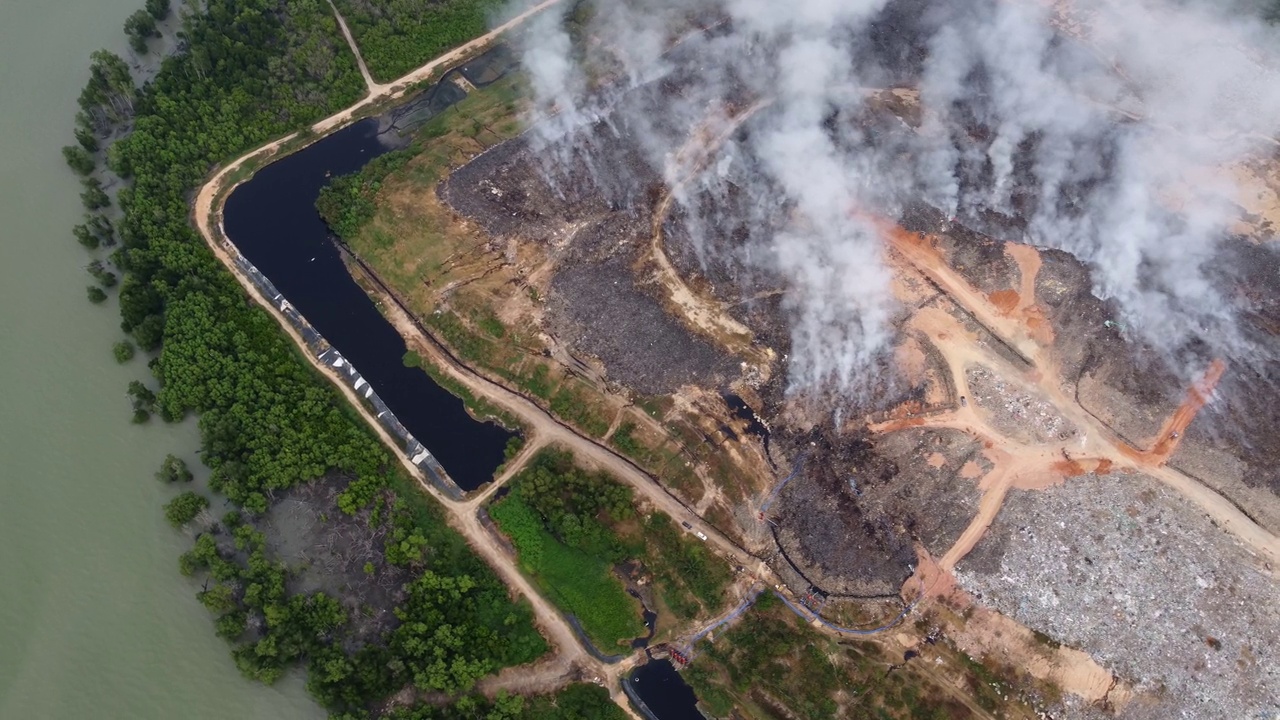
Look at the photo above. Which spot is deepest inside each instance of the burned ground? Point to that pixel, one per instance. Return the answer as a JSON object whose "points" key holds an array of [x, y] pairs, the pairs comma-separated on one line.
{"points": [[1246, 422], [824, 533], [599, 309], [848, 523], [849, 520]]}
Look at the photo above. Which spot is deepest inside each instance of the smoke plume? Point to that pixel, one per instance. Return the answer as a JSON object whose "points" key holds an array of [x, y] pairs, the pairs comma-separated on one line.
{"points": [[1098, 130]]}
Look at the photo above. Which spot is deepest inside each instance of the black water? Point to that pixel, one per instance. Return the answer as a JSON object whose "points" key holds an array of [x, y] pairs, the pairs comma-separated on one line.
{"points": [[755, 426], [665, 692], [273, 220], [650, 622]]}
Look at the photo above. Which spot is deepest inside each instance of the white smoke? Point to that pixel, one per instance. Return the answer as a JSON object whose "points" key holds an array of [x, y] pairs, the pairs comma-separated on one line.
{"points": [[1114, 129], [1164, 94]]}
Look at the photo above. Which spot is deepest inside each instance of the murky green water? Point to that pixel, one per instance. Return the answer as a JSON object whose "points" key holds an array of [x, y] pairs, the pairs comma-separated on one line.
{"points": [[95, 621]]}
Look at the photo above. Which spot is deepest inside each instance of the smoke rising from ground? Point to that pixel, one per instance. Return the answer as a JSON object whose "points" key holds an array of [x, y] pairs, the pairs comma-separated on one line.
{"points": [[1099, 141]]}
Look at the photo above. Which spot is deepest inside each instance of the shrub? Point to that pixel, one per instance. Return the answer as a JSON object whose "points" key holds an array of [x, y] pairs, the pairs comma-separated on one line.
{"points": [[184, 508], [174, 469], [158, 9], [78, 159], [123, 351], [139, 27]]}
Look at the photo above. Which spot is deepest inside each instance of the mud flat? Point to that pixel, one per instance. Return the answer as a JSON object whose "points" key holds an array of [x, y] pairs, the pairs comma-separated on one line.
{"points": [[1125, 569]]}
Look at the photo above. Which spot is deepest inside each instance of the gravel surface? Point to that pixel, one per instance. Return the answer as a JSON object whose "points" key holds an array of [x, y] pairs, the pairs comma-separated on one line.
{"points": [[1126, 570]]}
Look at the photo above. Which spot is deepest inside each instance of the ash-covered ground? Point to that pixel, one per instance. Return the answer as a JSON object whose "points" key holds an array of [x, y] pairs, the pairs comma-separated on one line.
{"points": [[599, 308], [849, 518], [328, 550], [592, 208]]}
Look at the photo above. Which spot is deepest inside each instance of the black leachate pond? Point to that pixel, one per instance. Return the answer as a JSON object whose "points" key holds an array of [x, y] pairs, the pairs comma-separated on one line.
{"points": [[664, 692], [273, 220]]}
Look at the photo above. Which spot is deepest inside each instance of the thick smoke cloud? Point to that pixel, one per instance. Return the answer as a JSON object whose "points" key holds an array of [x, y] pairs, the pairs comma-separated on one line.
{"points": [[1098, 141]]}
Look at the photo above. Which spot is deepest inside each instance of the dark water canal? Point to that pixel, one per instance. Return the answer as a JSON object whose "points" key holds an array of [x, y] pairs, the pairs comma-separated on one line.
{"points": [[272, 219]]}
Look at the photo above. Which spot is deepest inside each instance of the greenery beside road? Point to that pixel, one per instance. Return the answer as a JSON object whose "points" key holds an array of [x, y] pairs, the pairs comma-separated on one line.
{"points": [[575, 702], [252, 70], [770, 663], [396, 36], [573, 529], [556, 517]]}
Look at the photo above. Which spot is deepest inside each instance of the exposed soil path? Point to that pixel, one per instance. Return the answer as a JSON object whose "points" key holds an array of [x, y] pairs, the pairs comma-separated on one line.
{"points": [[207, 217], [1020, 325], [369, 82], [532, 444], [549, 430], [705, 315], [571, 659]]}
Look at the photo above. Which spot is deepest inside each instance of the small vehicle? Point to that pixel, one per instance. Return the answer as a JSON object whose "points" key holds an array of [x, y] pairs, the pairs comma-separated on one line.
{"points": [[701, 536], [686, 525]]}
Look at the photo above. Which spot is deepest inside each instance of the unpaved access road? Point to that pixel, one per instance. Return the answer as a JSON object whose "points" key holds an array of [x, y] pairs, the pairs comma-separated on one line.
{"points": [[207, 216], [543, 429], [1019, 465]]}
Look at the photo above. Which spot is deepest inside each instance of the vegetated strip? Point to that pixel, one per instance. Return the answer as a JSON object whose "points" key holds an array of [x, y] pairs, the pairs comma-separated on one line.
{"points": [[578, 534], [267, 422]]}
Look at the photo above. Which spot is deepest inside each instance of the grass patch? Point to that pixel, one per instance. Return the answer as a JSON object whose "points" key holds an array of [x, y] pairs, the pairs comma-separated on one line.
{"points": [[571, 528], [577, 581], [772, 664], [660, 455]]}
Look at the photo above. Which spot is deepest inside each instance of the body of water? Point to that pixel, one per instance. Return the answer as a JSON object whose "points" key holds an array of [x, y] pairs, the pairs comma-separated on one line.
{"points": [[664, 692], [95, 621], [272, 219]]}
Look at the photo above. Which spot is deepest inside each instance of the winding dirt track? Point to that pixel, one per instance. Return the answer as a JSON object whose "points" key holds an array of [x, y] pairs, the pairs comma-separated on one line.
{"points": [[1017, 322], [571, 659], [370, 84], [1017, 465]]}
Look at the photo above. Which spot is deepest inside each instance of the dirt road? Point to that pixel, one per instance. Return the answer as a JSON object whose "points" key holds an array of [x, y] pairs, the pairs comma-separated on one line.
{"points": [[571, 660], [369, 82], [1017, 322], [545, 429], [207, 217], [462, 516]]}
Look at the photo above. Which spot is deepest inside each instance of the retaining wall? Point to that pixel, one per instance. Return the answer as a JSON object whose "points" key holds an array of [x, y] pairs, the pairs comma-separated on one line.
{"points": [[321, 350]]}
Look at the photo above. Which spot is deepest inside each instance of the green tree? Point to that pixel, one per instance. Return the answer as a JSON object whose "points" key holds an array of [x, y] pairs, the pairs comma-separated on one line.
{"points": [[139, 27], [79, 159], [123, 351], [143, 401], [174, 469], [105, 277], [100, 226], [158, 9], [85, 236], [93, 196], [96, 295], [88, 142], [232, 625], [184, 508], [108, 98]]}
